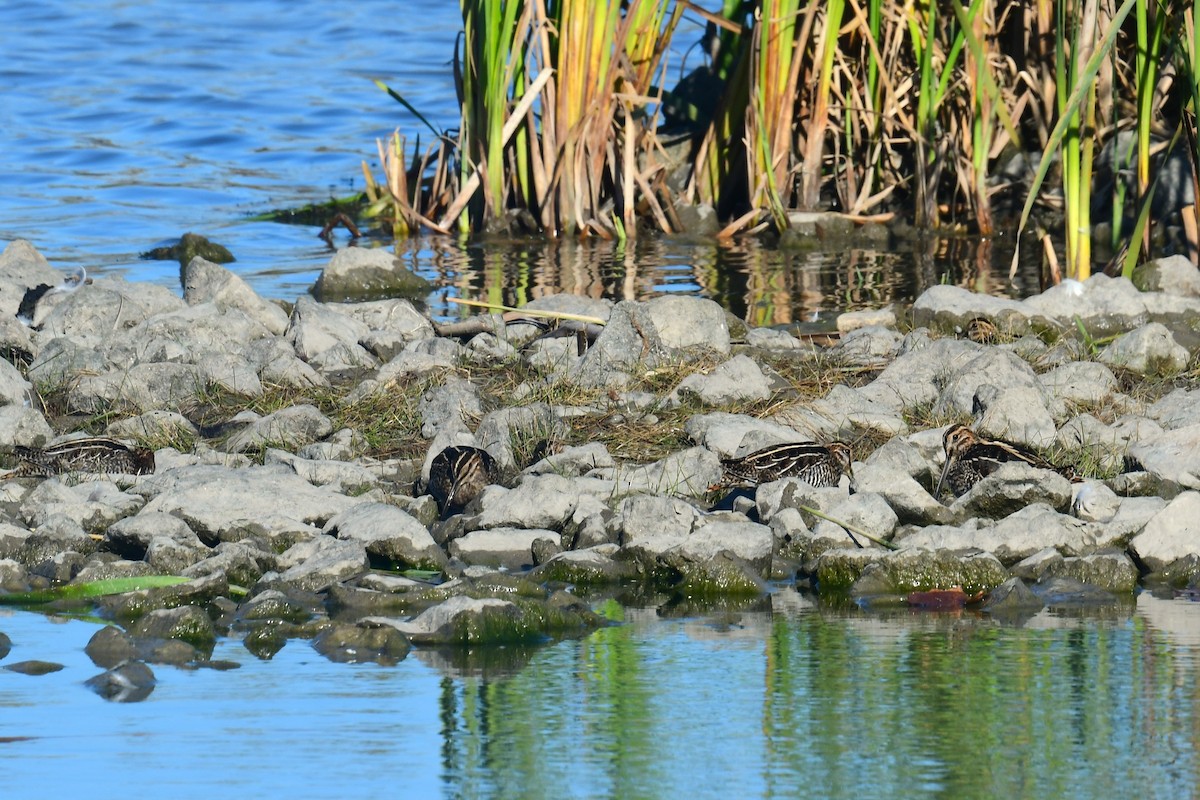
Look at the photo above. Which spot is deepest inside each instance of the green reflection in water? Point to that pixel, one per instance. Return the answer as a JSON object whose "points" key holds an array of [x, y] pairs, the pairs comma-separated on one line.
{"points": [[833, 704]]}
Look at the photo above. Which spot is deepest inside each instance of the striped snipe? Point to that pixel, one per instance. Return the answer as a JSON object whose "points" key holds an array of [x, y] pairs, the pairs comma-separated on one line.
{"points": [[458, 474], [97, 454], [970, 458], [817, 464]]}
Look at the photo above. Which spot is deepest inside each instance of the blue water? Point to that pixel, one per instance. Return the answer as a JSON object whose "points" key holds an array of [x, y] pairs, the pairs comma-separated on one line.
{"points": [[126, 124], [784, 702]]}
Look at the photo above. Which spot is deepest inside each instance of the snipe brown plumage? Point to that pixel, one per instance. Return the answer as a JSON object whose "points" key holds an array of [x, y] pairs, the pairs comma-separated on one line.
{"points": [[817, 464], [95, 454], [458, 474], [970, 458]]}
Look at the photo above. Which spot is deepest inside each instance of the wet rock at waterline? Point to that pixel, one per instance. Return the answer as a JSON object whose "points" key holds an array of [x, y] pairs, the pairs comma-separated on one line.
{"points": [[288, 448], [130, 682]]}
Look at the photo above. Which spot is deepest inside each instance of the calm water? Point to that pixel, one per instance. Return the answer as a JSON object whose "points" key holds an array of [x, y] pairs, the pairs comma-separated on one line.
{"points": [[784, 700], [123, 125]]}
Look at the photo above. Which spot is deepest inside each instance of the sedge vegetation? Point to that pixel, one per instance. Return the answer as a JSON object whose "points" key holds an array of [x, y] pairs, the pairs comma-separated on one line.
{"points": [[575, 121]]}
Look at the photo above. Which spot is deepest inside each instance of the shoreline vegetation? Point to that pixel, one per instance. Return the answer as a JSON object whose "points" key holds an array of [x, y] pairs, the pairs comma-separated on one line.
{"points": [[1072, 122]]}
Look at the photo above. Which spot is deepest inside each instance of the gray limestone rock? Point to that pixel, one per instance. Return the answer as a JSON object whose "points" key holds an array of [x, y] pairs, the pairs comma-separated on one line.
{"points": [[988, 366], [132, 536], [538, 501], [290, 428], [643, 517], [1179, 409], [130, 682], [1080, 382], [951, 308], [1041, 564], [684, 322], [206, 282], [1105, 305], [587, 567], [327, 339], [687, 473], [921, 369], [347, 643], [1172, 274], [869, 317], [1015, 485], [1018, 415], [868, 511], [739, 379], [1112, 571], [1171, 534], [630, 340], [1018, 536], [1172, 455], [737, 435], [506, 548], [572, 462], [1147, 350], [314, 564], [900, 572], [154, 425], [771, 498], [215, 499], [20, 425], [104, 308], [866, 346], [911, 501], [14, 389], [94, 505], [141, 388], [342, 477], [842, 413], [388, 534], [22, 267]]}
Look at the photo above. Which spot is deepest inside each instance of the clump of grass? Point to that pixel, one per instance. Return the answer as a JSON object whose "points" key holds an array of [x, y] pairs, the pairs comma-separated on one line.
{"points": [[389, 421]]}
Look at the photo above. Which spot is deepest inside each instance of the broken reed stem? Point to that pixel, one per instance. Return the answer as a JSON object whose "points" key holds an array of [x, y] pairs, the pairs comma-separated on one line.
{"points": [[533, 312], [851, 528]]}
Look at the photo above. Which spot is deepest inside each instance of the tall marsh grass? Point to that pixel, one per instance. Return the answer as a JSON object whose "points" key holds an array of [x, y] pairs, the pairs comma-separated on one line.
{"points": [[573, 122]]}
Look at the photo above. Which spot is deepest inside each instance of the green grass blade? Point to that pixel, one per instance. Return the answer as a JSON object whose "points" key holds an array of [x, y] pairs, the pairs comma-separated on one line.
{"points": [[396, 96], [81, 591]]}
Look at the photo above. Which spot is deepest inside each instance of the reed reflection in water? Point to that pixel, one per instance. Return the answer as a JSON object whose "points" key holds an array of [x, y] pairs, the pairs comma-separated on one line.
{"points": [[809, 702], [761, 284]]}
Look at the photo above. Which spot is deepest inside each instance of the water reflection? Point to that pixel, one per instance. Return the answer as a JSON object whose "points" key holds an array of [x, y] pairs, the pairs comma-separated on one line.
{"points": [[808, 701], [754, 280], [783, 699]]}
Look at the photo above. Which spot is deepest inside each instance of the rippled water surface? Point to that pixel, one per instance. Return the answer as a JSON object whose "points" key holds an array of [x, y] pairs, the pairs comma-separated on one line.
{"points": [[124, 125], [781, 699]]}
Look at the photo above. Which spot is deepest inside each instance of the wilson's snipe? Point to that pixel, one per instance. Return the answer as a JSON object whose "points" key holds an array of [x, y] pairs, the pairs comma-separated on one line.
{"points": [[97, 454], [970, 458], [981, 331], [458, 474], [817, 464]]}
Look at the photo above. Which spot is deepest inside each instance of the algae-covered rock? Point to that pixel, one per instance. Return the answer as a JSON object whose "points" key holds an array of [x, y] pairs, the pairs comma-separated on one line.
{"points": [[463, 620], [357, 273], [881, 572], [186, 623], [356, 644]]}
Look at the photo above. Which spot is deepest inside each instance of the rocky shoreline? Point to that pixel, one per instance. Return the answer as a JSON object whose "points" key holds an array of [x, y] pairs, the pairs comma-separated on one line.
{"points": [[293, 515]]}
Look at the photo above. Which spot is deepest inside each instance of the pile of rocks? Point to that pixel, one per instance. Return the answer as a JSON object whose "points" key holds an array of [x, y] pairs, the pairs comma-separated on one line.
{"points": [[279, 521]]}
